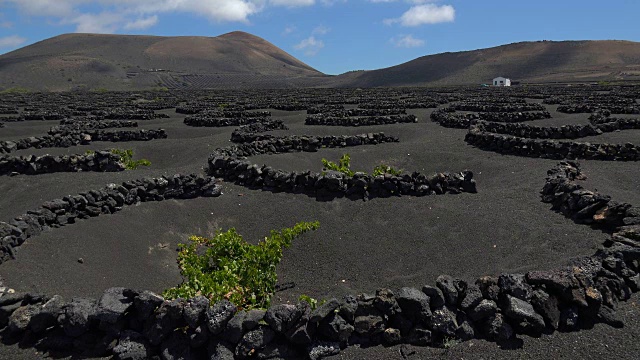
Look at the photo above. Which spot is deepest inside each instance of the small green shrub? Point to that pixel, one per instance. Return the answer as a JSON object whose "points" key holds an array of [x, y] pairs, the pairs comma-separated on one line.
{"points": [[126, 157], [343, 165], [314, 303], [227, 267], [386, 169]]}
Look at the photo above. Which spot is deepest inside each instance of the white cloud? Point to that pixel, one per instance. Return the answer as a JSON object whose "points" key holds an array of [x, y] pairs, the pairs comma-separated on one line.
{"points": [[407, 41], [320, 30], [329, 3], [425, 14], [310, 45], [11, 41], [139, 14], [216, 10], [289, 30], [142, 23], [103, 23], [313, 44], [220, 10], [292, 3]]}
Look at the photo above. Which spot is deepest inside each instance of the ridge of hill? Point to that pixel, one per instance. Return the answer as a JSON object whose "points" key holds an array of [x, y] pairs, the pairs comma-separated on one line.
{"points": [[241, 60], [530, 62], [73, 61]]}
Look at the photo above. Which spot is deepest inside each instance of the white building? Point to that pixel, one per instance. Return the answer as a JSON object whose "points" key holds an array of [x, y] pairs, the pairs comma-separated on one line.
{"points": [[501, 81]]}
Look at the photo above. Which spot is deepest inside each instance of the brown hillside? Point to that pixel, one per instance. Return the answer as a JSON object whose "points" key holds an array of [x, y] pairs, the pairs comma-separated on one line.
{"points": [[123, 61], [242, 60], [543, 61]]}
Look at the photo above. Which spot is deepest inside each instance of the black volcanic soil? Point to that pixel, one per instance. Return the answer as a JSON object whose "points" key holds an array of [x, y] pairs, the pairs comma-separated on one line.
{"points": [[360, 246]]}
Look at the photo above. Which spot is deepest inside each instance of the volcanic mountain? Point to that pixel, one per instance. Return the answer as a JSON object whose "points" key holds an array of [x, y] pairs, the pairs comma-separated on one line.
{"points": [[526, 62], [242, 60], [93, 61]]}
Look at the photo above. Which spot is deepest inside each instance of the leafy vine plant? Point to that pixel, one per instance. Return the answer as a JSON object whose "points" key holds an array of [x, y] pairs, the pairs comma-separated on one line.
{"points": [[227, 267], [344, 166], [126, 158]]}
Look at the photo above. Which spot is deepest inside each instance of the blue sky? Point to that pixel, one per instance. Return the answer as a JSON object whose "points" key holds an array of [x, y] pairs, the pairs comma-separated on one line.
{"points": [[333, 36]]}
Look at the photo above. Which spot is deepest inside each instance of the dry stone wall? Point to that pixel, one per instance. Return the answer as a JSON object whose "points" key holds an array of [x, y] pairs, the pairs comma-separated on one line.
{"points": [[325, 108], [448, 117], [80, 138], [603, 118], [332, 183], [540, 132], [42, 116], [220, 118], [254, 132], [549, 149], [32, 165], [135, 324], [204, 121], [128, 114], [73, 125], [110, 199], [589, 207], [295, 143], [513, 117], [593, 107], [226, 163], [403, 104], [363, 112], [8, 110], [612, 99], [323, 119], [559, 132], [497, 107]]}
